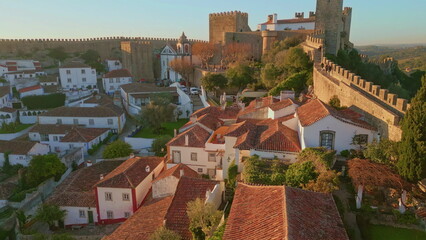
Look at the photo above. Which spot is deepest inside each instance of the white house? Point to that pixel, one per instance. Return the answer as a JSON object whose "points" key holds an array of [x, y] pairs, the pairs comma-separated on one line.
{"points": [[76, 75], [114, 79], [120, 193], [21, 152], [12, 77], [165, 184], [31, 91], [170, 52], [8, 115], [137, 95], [105, 116], [62, 138], [322, 126], [113, 64], [5, 96], [7, 66], [76, 196], [297, 23]]}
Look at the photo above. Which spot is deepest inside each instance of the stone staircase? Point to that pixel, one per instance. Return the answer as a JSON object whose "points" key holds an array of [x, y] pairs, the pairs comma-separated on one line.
{"points": [[196, 102]]}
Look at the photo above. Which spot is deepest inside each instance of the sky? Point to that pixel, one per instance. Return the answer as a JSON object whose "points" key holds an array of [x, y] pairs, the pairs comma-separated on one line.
{"points": [[373, 21]]}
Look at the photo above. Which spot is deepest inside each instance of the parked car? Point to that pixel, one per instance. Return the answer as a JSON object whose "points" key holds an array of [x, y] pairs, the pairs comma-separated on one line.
{"points": [[194, 90]]}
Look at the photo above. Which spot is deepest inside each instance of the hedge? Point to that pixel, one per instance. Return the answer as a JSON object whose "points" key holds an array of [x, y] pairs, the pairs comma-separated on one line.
{"points": [[44, 101]]}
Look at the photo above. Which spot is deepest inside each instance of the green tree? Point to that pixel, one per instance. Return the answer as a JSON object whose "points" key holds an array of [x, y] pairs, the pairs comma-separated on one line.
{"points": [[300, 173], [270, 75], [335, 102], [163, 233], [296, 82], [158, 111], [159, 145], [326, 182], [385, 151], [50, 214], [203, 218], [412, 152], [43, 167], [117, 149], [321, 157], [240, 75], [58, 54], [212, 81], [294, 60], [92, 58]]}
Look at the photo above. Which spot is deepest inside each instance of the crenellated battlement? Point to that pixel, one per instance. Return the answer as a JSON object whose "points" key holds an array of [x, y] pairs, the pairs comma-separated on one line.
{"points": [[314, 40], [383, 95], [232, 13], [40, 40]]}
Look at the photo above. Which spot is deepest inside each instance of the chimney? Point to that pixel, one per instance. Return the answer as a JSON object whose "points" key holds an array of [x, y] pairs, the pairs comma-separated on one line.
{"points": [[181, 173], [101, 176], [147, 168], [274, 18], [88, 163], [286, 94], [258, 102], [132, 155], [175, 132], [270, 18], [186, 140]]}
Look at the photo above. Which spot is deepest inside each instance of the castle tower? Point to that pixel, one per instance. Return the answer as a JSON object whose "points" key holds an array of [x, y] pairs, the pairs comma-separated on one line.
{"points": [[220, 23], [183, 45], [329, 14]]}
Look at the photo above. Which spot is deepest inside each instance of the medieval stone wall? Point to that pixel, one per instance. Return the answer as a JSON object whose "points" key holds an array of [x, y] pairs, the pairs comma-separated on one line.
{"points": [[329, 19], [220, 23], [381, 108]]}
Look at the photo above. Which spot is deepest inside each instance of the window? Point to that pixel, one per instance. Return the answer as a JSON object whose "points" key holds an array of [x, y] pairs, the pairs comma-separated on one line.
{"points": [[108, 196], [212, 157], [111, 80], [110, 215], [117, 80], [126, 197], [82, 213], [193, 156], [110, 122], [91, 122], [69, 80], [176, 156], [75, 121], [360, 139], [126, 214], [55, 138], [327, 139], [200, 170], [68, 71], [58, 121], [83, 79], [83, 71]]}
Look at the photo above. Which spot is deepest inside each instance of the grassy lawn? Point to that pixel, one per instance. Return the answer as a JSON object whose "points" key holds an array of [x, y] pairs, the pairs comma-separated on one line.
{"points": [[14, 129], [380, 232], [169, 129]]}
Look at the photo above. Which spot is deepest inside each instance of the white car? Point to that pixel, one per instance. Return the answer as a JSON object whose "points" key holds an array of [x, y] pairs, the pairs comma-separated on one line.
{"points": [[194, 90]]}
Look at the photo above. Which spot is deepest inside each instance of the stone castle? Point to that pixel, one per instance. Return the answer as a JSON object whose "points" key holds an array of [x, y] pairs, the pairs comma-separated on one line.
{"points": [[331, 33]]}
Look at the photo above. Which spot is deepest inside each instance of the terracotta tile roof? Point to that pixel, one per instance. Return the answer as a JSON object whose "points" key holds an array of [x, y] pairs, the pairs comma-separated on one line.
{"points": [[175, 171], [16, 147], [197, 137], [51, 89], [146, 220], [209, 121], [257, 104], [83, 134], [51, 128], [12, 68], [118, 73], [75, 65], [77, 189], [230, 112], [4, 90], [8, 110], [130, 173], [99, 111], [277, 212], [188, 189], [281, 104], [100, 99], [315, 110], [269, 135], [237, 129], [28, 89], [144, 87]]}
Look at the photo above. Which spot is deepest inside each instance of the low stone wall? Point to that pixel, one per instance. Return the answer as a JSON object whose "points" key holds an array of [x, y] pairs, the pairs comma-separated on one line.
{"points": [[139, 143]]}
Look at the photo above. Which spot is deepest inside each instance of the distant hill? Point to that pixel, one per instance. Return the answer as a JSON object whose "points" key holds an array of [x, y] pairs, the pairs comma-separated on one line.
{"points": [[413, 57]]}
